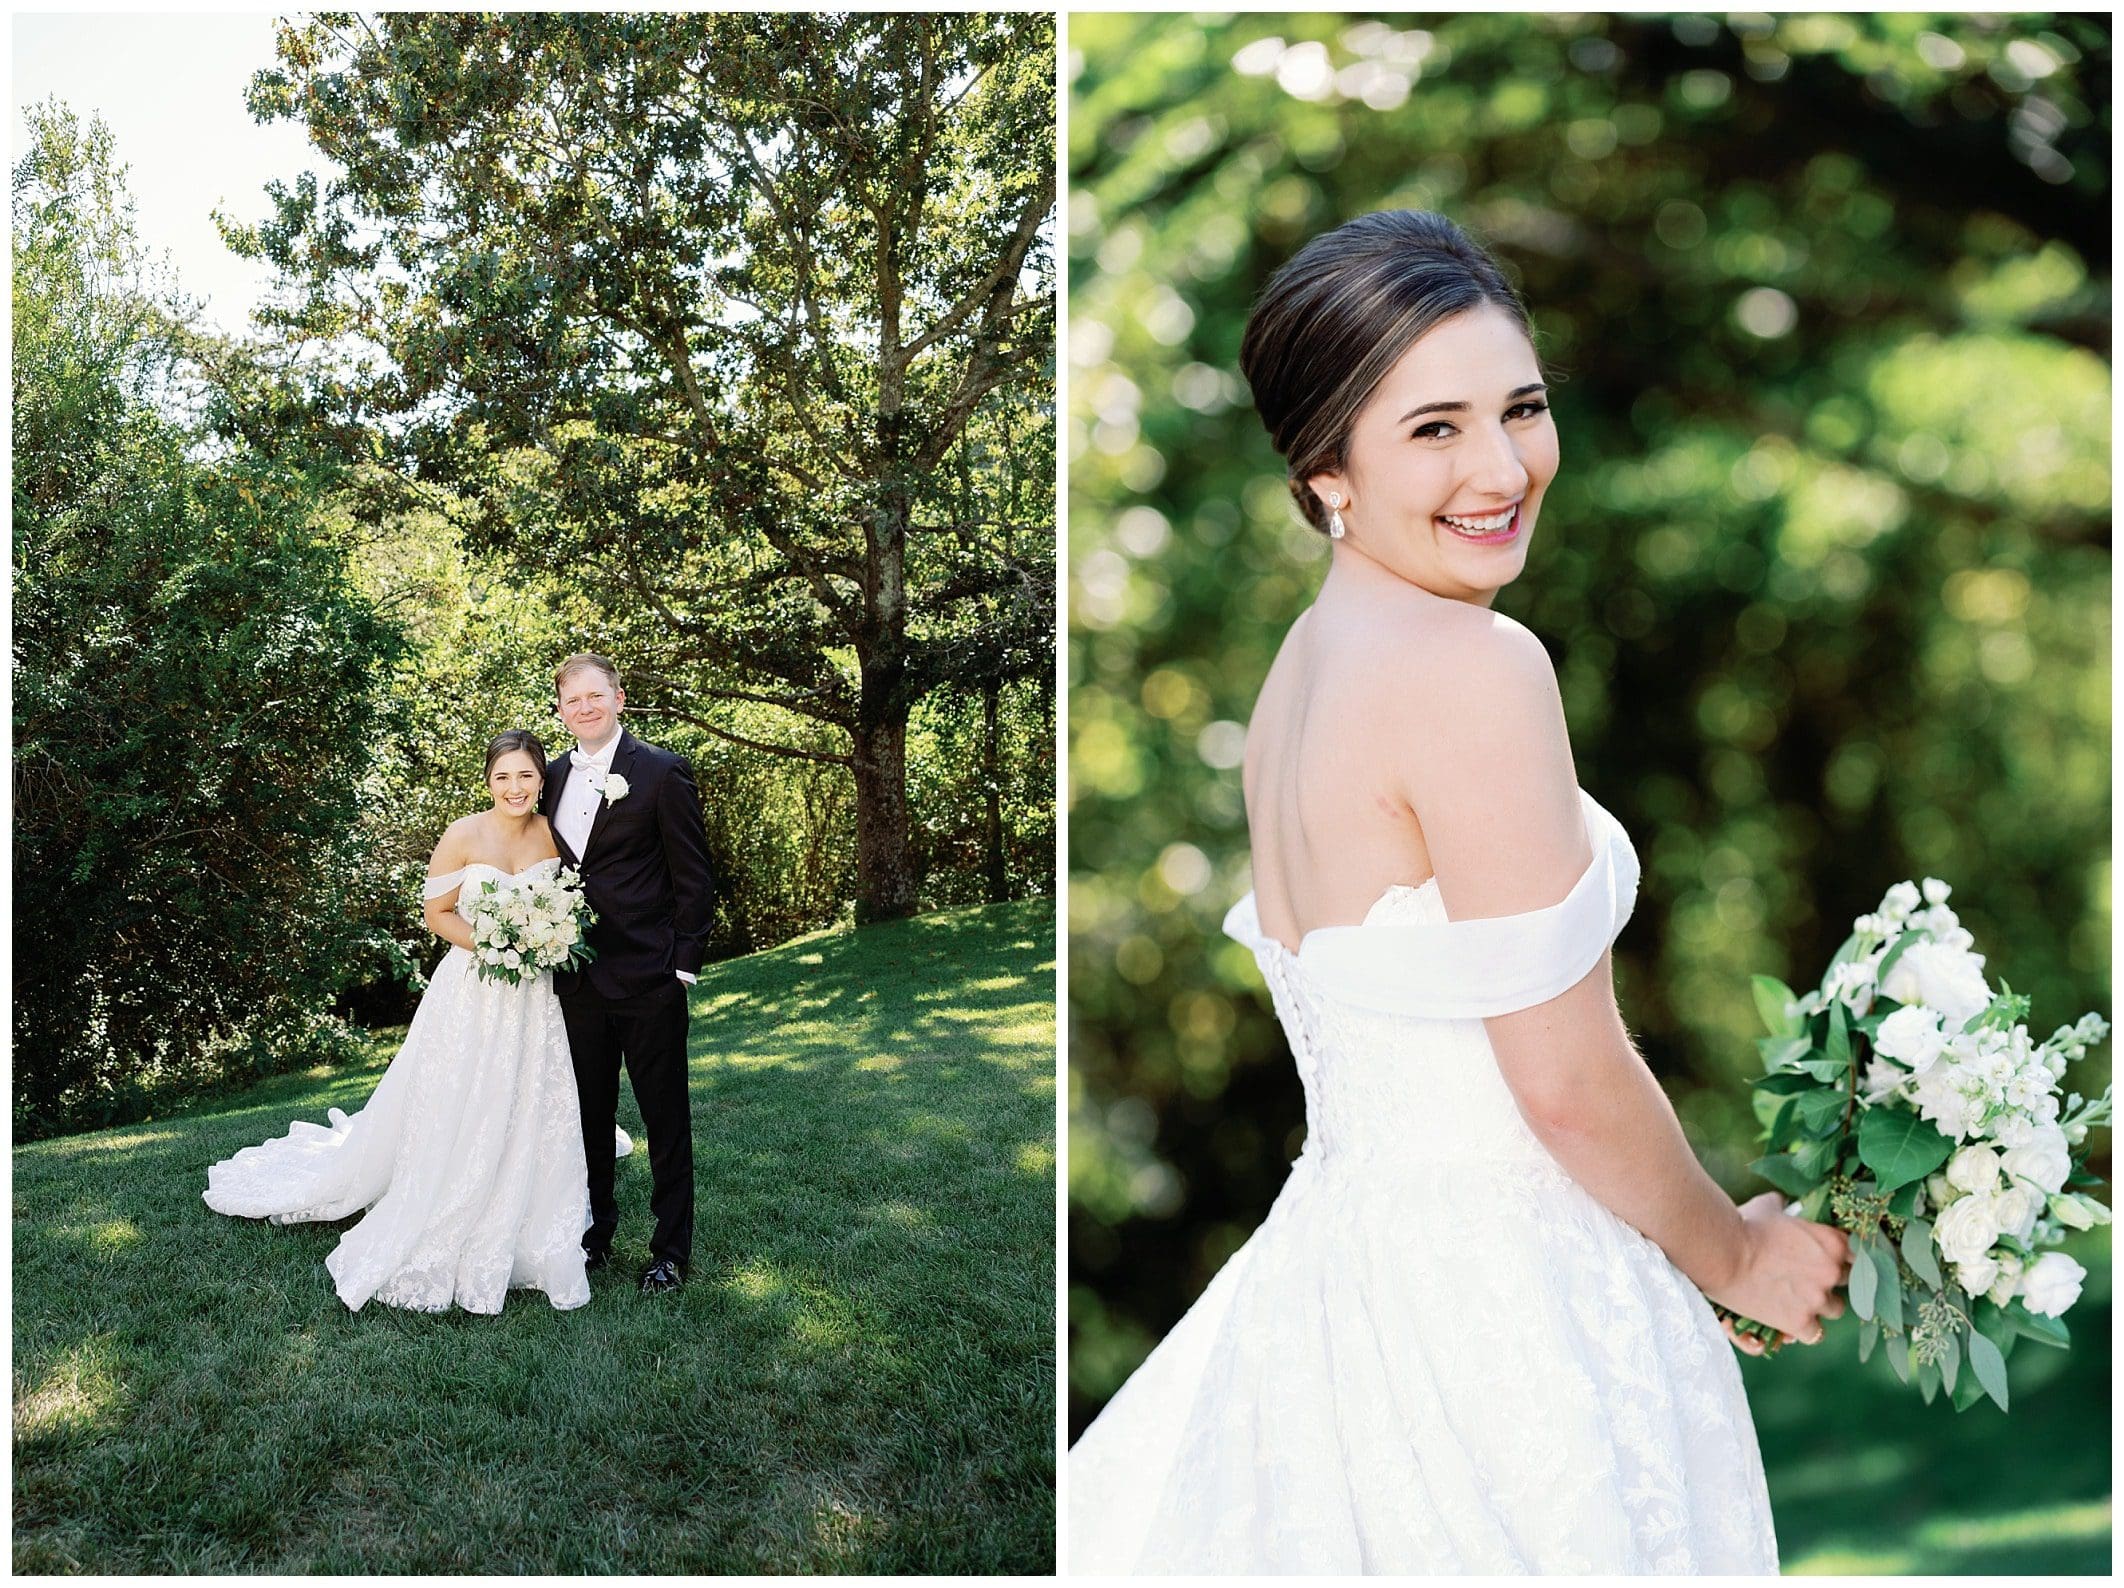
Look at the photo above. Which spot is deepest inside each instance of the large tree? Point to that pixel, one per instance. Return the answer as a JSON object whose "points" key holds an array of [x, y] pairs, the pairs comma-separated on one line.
{"points": [[195, 683], [746, 319]]}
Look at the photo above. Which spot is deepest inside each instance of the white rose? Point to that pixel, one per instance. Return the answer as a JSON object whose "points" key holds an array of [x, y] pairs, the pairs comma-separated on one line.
{"points": [[2017, 1208], [1911, 1036], [615, 788], [2044, 1160], [2052, 1284], [1950, 980], [1940, 1189], [1966, 1229], [512, 959], [2008, 1282], [1974, 1168], [1977, 1274]]}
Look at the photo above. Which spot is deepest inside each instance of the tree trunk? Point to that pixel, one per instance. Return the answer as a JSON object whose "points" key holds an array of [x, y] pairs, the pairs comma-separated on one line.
{"points": [[992, 785], [885, 879]]}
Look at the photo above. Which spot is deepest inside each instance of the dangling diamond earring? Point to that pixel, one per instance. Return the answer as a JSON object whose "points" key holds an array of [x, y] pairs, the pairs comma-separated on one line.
{"points": [[1335, 529]]}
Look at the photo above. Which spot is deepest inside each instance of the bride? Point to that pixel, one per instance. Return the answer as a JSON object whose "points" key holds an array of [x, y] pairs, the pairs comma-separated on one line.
{"points": [[468, 1155], [1473, 1334]]}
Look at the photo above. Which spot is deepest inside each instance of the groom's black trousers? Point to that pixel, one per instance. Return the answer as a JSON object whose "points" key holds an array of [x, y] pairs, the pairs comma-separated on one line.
{"points": [[649, 1033]]}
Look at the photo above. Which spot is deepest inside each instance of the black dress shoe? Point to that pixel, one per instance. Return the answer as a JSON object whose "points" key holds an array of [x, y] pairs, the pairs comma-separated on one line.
{"points": [[661, 1277], [596, 1257]]}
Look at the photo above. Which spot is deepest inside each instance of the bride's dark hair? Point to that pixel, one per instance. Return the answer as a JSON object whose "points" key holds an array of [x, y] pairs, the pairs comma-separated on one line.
{"points": [[1333, 320], [516, 739]]}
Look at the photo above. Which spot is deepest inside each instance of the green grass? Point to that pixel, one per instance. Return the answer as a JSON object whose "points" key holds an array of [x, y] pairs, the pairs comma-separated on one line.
{"points": [[1866, 1479], [859, 1376]]}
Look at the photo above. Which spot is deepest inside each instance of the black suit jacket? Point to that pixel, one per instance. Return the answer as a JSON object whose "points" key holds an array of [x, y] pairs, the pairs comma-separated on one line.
{"points": [[645, 870]]}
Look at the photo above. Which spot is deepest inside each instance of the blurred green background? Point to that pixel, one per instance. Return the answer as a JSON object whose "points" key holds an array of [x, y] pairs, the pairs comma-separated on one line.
{"points": [[1825, 303]]}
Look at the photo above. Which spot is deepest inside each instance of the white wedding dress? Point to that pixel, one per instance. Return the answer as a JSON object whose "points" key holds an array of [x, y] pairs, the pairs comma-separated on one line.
{"points": [[468, 1155], [1439, 1353]]}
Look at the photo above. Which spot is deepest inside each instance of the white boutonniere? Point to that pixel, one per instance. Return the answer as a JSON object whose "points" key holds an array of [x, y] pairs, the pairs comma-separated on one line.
{"points": [[615, 788]]}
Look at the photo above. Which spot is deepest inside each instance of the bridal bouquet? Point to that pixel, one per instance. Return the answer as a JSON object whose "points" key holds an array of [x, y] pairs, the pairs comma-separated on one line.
{"points": [[524, 928], [1905, 1101]]}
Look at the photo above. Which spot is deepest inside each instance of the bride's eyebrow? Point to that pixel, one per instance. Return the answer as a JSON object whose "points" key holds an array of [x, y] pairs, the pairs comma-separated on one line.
{"points": [[1513, 395]]}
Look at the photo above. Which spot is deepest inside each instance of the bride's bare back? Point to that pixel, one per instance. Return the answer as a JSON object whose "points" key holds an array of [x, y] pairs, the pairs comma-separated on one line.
{"points": [[1385, 700]]}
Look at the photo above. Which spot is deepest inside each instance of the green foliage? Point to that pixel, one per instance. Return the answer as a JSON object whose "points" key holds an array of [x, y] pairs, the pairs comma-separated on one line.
{"points": [[1899, 1147], [1824, 300], [858, 1377], [738, 326], [194, 684]]}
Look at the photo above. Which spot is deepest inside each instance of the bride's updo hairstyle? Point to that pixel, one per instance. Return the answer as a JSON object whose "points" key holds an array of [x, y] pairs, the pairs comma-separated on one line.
{"points": [[516, 739], [1334, 319]]}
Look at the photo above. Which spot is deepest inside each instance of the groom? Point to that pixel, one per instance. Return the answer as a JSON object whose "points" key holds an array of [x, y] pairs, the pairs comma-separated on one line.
{"points": [[626, 815]]}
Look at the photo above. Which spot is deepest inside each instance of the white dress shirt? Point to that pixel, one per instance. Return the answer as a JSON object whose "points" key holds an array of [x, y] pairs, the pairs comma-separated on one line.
{"points": [[585, 791]]}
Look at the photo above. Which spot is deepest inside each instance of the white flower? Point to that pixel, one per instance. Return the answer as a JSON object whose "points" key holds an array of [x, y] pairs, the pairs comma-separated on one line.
{"points": [[1950, 980], [1940, 1099], [1967, 1229], [2052, 1284], [511, 958], [1975, 1168], [615, 788], [1977, 1274], [1899, 901], [2070, 1212], [2043, 1161], [1940, 1189], [1852, 981], [1936, 891], [2017, 1208], [2009, 1280], [1911, 1036]]}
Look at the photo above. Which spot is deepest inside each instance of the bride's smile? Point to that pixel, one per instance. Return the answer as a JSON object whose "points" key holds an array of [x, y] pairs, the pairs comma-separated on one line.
{"points": [[1448, 458]]}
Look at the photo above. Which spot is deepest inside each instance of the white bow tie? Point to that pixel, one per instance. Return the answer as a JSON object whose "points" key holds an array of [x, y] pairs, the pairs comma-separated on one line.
{"points": [[588, 761]]}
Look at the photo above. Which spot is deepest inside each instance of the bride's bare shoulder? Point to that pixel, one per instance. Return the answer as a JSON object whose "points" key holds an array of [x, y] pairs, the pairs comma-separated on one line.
{"points": [[1447, 661]]}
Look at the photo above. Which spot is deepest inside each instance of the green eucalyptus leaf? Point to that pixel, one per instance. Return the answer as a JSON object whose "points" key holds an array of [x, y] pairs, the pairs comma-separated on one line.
{"points": [[1899, 1355], [1928, 1377], [1904, 1202], [1812, 1204], [1917, 1252], [1888, 1295], [1951, 1362], [1987, 1364], [1869, 1337], [1864, 1281]]}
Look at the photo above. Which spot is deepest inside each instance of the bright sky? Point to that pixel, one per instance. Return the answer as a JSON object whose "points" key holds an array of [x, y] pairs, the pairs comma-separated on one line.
{"points": [[170, 87]]}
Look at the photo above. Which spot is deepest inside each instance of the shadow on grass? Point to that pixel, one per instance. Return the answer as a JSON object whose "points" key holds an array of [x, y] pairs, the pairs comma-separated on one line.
{"points": [[858, 1377]]}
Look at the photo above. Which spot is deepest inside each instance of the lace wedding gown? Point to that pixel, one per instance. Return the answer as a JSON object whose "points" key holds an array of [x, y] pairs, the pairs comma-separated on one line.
{"points": [[468, 1155], [1439, 1353]]}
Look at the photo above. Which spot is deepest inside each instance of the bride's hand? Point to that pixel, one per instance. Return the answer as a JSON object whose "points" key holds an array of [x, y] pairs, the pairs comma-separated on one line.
{"points": [[1788, 1272]]}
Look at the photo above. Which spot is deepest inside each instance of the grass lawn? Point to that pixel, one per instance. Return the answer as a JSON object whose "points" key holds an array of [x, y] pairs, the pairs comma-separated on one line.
{"points": [[1866, 1479], [859, 1376]]}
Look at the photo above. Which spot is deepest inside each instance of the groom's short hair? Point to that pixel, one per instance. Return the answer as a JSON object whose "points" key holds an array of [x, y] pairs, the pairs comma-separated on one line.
{"points": [[581, 660]]}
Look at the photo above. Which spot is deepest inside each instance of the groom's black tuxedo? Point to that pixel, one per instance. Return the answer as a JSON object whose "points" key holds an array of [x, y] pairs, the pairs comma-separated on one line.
{"points": [[645, 871]]}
